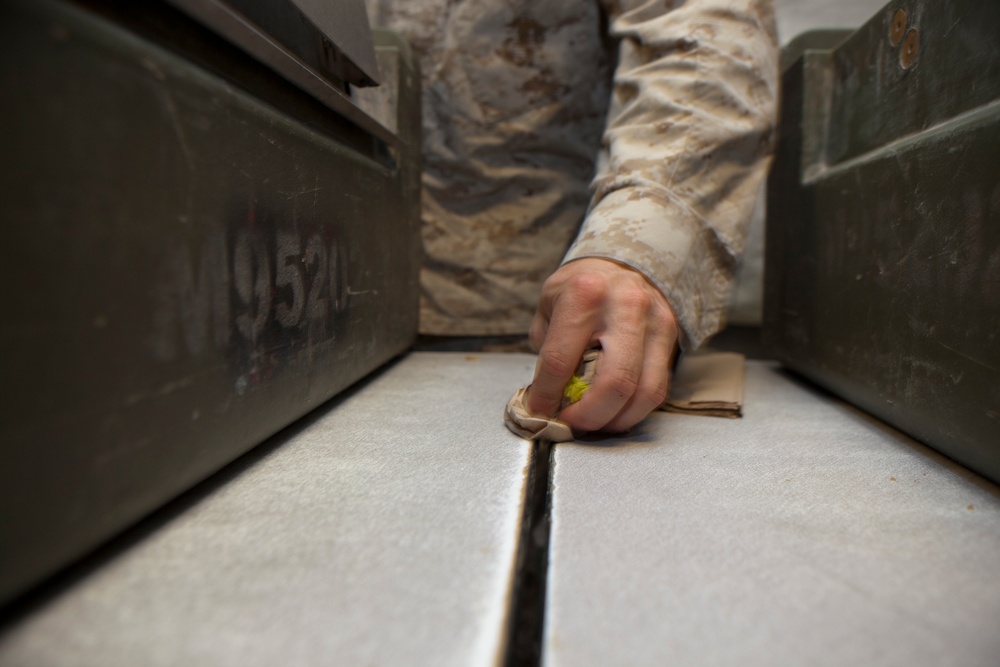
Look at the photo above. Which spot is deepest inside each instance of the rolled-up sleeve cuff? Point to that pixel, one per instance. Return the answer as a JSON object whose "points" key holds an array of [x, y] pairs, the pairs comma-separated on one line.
{"points": [[645, 229]]}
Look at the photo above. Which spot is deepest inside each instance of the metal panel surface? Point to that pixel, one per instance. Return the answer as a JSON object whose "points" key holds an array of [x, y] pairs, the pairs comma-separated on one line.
{"points": [[332, 39], [883, 241], [188, 271], [345, 23], [309, 60], [381, 531], [805, 533]]}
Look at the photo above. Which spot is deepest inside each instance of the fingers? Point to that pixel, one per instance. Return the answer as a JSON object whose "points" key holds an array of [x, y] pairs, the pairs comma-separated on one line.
{"points": [[566, 337], [594, 301], [654, 385], [659, 346], [619, 372]]}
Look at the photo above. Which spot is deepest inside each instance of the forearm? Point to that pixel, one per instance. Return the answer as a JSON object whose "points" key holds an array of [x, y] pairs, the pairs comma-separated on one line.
{"points": [[686, 148]]}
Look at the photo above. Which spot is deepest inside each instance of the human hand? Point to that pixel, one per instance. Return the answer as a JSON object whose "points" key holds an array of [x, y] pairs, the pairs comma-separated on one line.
{"points": [[595, 301]]}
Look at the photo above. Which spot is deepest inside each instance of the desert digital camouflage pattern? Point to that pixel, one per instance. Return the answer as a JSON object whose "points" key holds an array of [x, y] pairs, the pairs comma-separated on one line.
{"points": [[530, 128]]}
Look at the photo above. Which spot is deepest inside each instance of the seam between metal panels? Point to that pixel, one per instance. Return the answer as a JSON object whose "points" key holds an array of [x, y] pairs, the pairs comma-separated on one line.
{"points": [[527, 616]]}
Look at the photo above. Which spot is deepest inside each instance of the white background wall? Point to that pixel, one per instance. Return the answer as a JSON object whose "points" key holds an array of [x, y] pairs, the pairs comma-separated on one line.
{"points": [[797, 16]]}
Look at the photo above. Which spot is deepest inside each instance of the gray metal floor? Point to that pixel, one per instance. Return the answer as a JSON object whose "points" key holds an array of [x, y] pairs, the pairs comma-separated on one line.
{"points": [[382, 532], [385, 531], [806, 533]]}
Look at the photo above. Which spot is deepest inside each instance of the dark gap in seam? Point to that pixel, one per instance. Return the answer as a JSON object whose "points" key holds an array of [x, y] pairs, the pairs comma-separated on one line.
{"points": [[527, 615]]}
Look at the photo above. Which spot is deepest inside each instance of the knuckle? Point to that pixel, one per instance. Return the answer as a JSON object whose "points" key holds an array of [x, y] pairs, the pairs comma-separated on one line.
{"points": [[637, 299], [624, 383], [587, 288], [663, 320], [658, 394], [555, 363]]}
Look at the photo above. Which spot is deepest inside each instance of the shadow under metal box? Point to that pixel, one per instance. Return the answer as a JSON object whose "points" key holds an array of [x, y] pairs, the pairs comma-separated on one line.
{"points": [[883, 233], [205, 236]]}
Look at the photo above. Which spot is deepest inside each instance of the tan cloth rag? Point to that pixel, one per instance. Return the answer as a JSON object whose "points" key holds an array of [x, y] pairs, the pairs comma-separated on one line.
{"points": [[704, 383]]}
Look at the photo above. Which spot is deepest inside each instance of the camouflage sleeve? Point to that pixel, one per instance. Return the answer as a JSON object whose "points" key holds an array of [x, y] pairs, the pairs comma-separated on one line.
{"points": [[686, 148]]}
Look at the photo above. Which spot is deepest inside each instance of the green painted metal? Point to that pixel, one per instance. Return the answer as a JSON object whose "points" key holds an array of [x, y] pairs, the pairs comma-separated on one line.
{"points": [[190, 265], [883, 239]]}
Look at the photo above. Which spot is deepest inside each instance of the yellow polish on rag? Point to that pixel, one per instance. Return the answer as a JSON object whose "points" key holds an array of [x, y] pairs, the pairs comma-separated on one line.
{"points": [[575, 389]]}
